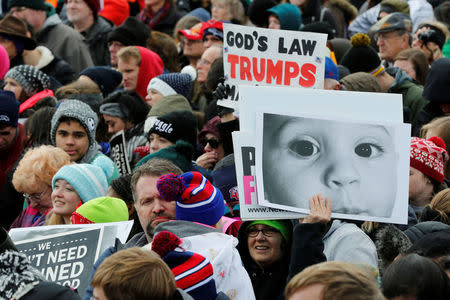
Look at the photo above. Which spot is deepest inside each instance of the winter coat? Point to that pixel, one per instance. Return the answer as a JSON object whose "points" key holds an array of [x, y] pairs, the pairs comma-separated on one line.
{"points": [[315, 12], [65, 42], [343, 13], [411, 92], [270, 282], [167, 24], [96, 38], [55, 67], [346, 242]]}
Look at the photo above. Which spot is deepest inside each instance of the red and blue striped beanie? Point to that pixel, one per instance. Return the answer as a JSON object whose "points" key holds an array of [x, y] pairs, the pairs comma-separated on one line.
{"points": [[193, 272], [197, 200]]}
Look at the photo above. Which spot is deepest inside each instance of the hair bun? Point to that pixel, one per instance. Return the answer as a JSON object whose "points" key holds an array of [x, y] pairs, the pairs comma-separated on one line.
{"points": [[360, 40], [438, 142]]}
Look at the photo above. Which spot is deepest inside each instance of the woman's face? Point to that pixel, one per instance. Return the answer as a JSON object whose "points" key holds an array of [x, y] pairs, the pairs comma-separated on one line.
{"points": [[13, 86], [353, 164], [157, 143], [153, 97], [407, 66], [220, 152], [115, 124], [40, 198], [420, 187], [274, 23], [220, 11], [264, 245], [64, 197]]}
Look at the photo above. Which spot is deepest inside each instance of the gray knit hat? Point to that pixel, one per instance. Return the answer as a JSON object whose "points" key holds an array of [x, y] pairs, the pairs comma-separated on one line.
{"points": [[76, 110], [31, 79]]}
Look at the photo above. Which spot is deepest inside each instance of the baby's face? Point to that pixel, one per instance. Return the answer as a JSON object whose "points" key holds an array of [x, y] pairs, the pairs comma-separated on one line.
{"points": [[353, 164]]}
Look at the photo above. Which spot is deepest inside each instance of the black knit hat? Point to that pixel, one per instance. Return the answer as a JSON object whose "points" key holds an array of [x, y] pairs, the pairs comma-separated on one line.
{"points": [[130, 33], [106, 78], [177, 125], [437, 84], [34, 4], [361, 57]]}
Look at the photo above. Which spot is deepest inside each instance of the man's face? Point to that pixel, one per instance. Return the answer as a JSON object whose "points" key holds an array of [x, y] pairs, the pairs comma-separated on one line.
{"points": [[210, 40], [130, 73], [193, 48], [72, 138], [204, 63], [391, 43], [151, 209], [78, 11], [7, 135], [35, 18], [114, 47]]}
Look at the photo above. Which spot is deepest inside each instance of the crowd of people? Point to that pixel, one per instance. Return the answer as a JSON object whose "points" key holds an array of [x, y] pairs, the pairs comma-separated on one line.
{"points": [[75, 73]]}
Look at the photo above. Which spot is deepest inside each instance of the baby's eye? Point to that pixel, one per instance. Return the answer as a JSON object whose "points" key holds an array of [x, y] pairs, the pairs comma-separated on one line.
{"points": [[368, 150], [303, 148]]}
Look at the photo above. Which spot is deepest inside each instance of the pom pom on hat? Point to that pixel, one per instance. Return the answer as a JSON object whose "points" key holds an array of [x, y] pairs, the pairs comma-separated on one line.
{"points": [[197, 200], [164, 242], [429, 156], [360, 40]]}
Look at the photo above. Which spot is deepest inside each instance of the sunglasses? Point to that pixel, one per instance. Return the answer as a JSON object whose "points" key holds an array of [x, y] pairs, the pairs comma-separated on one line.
{"points": [[213, 143]]}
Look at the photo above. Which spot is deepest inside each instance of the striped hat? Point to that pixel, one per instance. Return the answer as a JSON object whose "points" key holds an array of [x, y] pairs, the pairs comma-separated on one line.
{"points": [[197, 200], [193, 272], [89, 181]]}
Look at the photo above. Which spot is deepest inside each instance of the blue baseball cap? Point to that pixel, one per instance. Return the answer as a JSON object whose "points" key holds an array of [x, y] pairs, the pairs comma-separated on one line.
{"points": [[331, 70]]}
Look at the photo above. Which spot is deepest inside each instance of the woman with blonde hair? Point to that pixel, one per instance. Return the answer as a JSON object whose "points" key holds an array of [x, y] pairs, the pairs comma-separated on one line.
{"points": [[33, 177], [228, 10], [439, 208]]}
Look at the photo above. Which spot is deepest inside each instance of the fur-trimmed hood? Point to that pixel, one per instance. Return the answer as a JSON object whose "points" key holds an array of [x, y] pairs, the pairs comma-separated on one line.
{"points": [[349, 10]]}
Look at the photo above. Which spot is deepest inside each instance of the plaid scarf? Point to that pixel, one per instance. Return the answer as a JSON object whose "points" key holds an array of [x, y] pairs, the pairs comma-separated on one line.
{"points": [[151, 20]]}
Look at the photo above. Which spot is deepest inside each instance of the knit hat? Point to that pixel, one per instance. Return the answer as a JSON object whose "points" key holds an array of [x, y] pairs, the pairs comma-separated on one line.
{"points": [[34, 4], [200, 13], [391, 6], [4, 62], [168, 104], [172, 83], [94, 5], [289, 16], [361, 57], [429, 156], [131, 33], [16, 30], [437, 84], [213, 27], [197, 200], [101, 210], [320, 27], [177, 125], [224, 178], [392, 22], [179, 154], [193, 33], [281, 225], [106, 78], [331, 70], [9, 109], [89, 181], [31, 79], [193, 272], [79, 111], [361, 82], [210, 127]]}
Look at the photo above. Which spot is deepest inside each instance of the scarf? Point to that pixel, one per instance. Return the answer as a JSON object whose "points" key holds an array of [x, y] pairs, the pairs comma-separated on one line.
{"points": [[151, 20]]}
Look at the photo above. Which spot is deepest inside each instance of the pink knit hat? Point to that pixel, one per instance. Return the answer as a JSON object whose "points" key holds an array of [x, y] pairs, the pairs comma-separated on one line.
{"points": [[429, 156], [4, 62]]}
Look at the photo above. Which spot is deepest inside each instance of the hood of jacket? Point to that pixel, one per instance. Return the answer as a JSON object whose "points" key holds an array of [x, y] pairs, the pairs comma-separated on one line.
{"points": [[350, 11], [399, 76]]}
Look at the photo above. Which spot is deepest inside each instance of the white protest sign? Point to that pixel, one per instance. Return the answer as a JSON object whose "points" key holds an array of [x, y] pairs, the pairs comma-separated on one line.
{"points": [[260, 56], [244, 155]]}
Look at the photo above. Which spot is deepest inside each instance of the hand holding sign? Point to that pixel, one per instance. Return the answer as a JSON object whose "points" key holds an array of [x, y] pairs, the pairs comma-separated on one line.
{"points": [[320, 212]]}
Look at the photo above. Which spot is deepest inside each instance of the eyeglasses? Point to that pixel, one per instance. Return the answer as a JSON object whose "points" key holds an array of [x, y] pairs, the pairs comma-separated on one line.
{"points": [[253, 232], [35, 197], [213, 143]]}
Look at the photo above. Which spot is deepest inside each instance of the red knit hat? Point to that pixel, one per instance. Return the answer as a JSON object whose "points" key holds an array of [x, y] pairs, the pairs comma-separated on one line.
{"points": [[94, 5], [429, 156]]}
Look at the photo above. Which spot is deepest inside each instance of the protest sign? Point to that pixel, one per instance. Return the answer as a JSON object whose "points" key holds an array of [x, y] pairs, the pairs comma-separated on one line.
{"points": [[361, 166], [65, 258], [260, 56], [244, 155], [119, 153]]}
